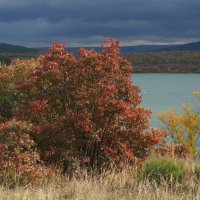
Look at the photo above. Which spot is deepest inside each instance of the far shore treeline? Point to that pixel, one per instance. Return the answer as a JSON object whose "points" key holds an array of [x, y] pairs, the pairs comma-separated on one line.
{"points": [[143, 60]]}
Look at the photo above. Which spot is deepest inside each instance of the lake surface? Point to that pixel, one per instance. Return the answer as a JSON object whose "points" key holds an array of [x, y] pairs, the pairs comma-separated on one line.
{"points": [[161, 91]]}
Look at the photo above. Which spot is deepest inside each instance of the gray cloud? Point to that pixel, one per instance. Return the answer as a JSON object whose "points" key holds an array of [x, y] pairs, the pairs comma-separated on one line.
{"points": [[87, 22]]}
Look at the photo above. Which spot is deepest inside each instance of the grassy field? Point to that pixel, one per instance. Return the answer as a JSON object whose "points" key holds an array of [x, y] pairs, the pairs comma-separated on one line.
{"points": [[108, 186]]}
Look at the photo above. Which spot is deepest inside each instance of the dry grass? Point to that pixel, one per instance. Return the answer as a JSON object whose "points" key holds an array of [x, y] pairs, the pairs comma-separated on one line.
{"points": [[109, 186]]}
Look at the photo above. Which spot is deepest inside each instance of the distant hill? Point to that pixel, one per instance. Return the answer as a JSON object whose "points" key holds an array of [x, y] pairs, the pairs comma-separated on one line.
{"points": [[194, 46], [128, 49], [143, 48], [10, 48]]}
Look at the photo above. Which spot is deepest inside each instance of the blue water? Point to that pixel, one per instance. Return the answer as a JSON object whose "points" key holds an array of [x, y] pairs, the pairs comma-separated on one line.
{"points": [[161, 91]]}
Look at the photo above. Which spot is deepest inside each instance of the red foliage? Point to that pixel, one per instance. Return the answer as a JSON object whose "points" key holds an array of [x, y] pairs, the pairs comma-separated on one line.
{"points": [[182, 151], [86, 107], [18, 155], [173, 150]]}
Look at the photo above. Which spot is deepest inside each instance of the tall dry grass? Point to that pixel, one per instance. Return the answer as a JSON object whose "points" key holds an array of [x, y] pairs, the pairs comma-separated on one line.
{"points": [[123, 185]]}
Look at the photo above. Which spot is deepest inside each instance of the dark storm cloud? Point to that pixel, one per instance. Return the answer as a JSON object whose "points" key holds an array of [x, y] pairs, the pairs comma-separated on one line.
{"points": [[87, 22]]}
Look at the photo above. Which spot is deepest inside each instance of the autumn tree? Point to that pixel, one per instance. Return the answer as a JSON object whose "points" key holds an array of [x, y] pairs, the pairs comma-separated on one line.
{"points": [[86, 108], [183, 128]]}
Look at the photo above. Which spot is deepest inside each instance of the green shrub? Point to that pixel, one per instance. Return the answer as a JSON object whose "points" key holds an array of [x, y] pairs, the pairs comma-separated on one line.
{"points": [[163, 169]]}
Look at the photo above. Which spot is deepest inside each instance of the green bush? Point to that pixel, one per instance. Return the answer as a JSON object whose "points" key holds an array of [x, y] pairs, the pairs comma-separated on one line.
{"points": [[163, 169]]}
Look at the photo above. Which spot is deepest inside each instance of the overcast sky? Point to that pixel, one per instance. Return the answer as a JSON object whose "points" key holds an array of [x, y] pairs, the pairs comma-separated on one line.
{"points": [[37, 23]]}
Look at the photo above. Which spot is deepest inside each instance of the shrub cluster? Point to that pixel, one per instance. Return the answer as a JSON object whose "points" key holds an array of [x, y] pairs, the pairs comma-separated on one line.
{"points": [[67, 108]]}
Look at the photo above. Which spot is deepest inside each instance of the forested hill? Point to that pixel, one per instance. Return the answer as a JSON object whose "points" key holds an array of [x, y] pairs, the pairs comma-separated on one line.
{"points": [[10, 51], [194, 46], [10, 48]]}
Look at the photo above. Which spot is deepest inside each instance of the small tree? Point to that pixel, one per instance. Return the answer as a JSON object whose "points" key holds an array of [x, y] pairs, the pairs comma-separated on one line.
{"points": [[183, 128], [86, 107]]}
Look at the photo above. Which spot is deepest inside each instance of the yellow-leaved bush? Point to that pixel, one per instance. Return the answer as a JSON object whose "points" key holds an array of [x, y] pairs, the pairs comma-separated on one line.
{"points": [[183, 128]]}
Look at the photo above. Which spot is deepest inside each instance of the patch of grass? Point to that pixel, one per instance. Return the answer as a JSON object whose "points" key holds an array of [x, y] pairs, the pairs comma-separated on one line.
{"points": [[112, 185], [163, 169], [108, 186]]}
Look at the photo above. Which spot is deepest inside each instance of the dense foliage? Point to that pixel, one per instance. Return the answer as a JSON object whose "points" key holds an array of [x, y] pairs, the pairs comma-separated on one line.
{"points": [[19, 159], [83, 108]]}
